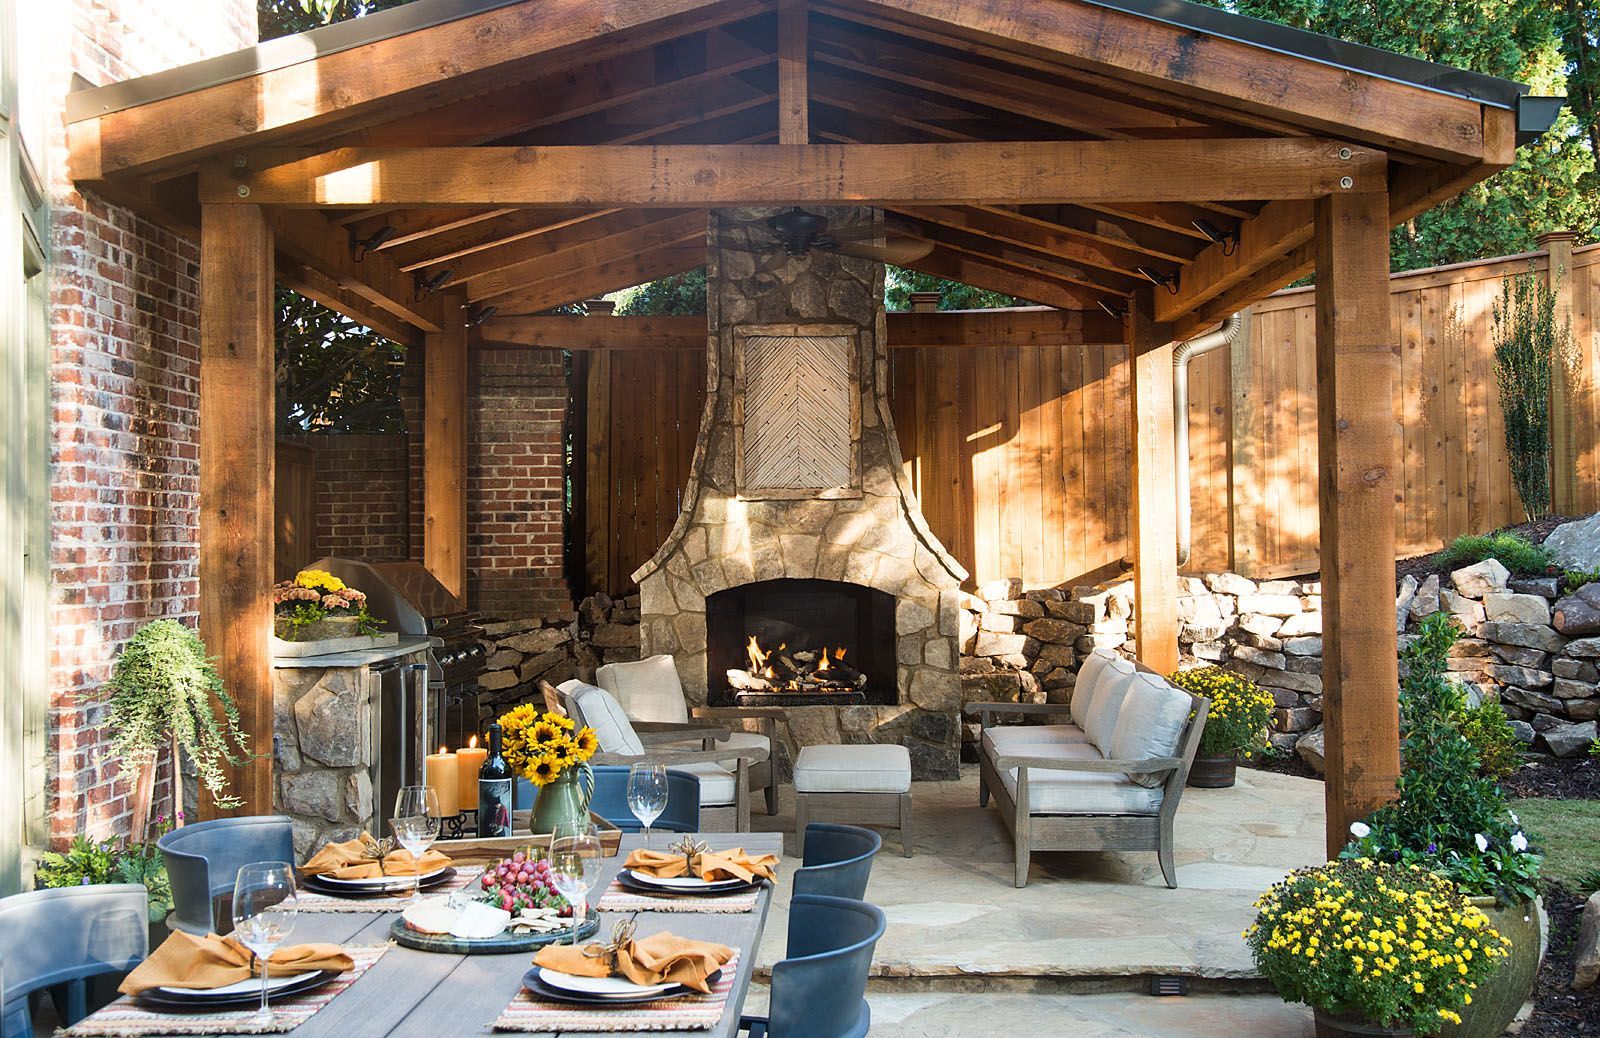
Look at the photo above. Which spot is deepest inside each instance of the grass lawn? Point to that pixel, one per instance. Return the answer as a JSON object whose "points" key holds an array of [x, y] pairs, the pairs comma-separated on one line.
{"points": [[1569, 833]]}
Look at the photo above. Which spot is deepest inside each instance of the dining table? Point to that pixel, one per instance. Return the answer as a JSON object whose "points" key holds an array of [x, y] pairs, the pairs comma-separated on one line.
{"points": [[411, 992]]}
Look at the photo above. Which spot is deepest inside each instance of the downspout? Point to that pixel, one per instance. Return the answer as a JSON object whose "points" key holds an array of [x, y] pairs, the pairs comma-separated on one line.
{"points": [[1184, 352]]}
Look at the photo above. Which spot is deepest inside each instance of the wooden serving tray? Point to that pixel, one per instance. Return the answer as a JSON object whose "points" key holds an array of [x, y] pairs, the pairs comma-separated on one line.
{"points": [[473, 851]]}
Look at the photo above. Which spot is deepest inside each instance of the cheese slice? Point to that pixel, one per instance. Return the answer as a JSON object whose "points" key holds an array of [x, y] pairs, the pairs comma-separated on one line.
{"points": [[479, 921], [432, 915]]}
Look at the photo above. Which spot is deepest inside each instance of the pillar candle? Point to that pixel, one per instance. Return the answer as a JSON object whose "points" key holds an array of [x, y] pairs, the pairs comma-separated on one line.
{"points": [[444, 775], [470, 758]]}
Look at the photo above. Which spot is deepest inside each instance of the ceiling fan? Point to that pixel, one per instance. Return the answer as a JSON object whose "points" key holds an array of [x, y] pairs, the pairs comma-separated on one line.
{"points": [[798, 232]]}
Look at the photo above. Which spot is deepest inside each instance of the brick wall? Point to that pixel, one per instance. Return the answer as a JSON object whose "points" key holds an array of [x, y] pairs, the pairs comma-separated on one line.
{"points": [[514, 493], [125, 369], [363, 496]]}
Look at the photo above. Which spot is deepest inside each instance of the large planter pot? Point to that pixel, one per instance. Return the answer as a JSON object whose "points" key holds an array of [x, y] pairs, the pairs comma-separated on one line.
{"points": [[1335, 1025], [1214, 770], [1497, 1000], [564, 801]]}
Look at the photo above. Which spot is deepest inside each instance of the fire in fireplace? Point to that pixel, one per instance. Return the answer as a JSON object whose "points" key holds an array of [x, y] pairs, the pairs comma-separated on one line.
{"points": [[800, 642]]}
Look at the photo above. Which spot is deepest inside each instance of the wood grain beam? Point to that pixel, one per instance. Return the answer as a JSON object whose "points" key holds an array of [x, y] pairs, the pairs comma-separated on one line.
{"points": [[1153, 530], [236, 482], [794, 93], [1025, 259], [1321, 97], [313, 284], [1280, 228], [444, 453], [348, 87], [577, 285], [1003, 225], [634, 225], [1357, 458], [857, 174], [685, 229], [1032, 288], [978, 329], [311, 239]]}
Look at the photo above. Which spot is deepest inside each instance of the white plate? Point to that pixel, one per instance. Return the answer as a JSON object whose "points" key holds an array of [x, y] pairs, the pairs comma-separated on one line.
{"points": [[241, 988], [602, 986], [684, 882], [378, 882]]}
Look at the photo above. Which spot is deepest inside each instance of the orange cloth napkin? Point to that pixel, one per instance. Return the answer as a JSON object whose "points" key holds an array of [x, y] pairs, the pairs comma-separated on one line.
{"points": [[661, 958], [202, 963], [712, 865], [352, 860]]}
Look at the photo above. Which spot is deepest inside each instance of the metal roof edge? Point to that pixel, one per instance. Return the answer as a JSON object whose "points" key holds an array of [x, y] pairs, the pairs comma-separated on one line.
{"points": [[270, 55]]}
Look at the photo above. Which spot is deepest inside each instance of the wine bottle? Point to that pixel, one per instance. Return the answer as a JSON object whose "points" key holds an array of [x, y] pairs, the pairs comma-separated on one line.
{"points": [[494, 791]]}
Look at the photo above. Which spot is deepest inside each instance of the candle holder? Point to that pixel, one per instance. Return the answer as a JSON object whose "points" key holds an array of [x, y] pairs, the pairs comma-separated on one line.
{"points": [[456, 826]]}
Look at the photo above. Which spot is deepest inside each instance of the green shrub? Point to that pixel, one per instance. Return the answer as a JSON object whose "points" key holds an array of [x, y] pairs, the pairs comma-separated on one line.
{"points": [[1486, 728], [1513, 551], [1527, 341], [1573, 579]]}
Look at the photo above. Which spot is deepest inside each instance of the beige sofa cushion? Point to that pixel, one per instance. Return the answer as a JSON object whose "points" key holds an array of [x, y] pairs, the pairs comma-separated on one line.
{"points": [[718, 786], [1150, 724], [597, 708], [1110, 690], [1083, 792], [857, 768], [1095, 666], [1025, 738], [648, 689]]}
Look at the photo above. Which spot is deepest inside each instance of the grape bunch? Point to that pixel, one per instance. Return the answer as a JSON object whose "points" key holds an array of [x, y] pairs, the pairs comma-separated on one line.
{"points": [[520, 882]]}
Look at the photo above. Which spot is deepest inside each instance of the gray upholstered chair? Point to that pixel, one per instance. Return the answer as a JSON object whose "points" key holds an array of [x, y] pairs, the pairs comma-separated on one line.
{"points": [[57, 940], [651, 691], [723, 773], [203, 860], [819, 987]]}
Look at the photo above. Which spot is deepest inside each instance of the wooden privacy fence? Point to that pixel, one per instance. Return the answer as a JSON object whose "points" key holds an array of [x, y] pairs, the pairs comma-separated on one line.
{"points": [[1021, 456]]}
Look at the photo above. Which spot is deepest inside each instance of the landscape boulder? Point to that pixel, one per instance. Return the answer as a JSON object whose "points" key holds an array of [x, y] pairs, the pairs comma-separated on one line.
{"points": [[1512, 608], [1481, 578], [1570, 740], [1310, 747], [1586, 951], [1578, 614], [1576, 545]]}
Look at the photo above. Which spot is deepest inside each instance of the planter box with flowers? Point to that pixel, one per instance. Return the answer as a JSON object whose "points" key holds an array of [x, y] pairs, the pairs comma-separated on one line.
{"points": [[316, 614]]}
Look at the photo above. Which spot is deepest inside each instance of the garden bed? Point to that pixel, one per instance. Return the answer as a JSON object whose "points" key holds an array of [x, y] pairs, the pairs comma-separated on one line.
{"points": [[1560, 1012], [1424, 566], [1556, 778]]}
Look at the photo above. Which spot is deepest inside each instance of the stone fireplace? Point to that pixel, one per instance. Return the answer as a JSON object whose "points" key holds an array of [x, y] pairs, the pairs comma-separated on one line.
{"points": [[798, 522]]}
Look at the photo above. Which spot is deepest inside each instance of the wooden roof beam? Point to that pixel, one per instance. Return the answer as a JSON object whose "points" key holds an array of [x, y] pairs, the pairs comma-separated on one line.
{"points": [[315, 241], [451, 60], [995, 277], [573, 286], [1006, 226], [622, 229], [691, 175], [1026, 260]]}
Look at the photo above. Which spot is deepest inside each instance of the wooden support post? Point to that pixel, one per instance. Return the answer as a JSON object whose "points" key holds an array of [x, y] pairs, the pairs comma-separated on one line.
{"points": [[236, 480], [1566, 495], [444, 452], [1154, 528], [794, 100], [597, 460], [1357, 364]]}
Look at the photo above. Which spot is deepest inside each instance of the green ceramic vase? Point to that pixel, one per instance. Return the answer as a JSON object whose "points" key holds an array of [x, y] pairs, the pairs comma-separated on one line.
{"points": [[1497, 1000], [564, 801]]}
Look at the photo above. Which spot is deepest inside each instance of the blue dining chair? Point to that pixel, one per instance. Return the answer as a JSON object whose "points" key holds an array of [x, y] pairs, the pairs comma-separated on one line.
{"points": [[610, 799], [819, 988], [837, 861], [203, 860], [59, 939]]}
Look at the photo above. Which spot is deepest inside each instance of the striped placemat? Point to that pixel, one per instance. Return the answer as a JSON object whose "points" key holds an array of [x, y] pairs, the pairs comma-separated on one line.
{"points": [[618, 898], [125, 1018], [312, 901], [693, 1012]]}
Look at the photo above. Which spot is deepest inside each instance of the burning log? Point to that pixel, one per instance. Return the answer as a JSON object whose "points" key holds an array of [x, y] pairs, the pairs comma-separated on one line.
{"points": [[806, 671], [744, 681]]}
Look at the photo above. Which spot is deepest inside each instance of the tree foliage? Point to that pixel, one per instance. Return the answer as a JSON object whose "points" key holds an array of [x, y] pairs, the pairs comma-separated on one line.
{"points": [[1527, 344], [333, 375], [276, 18], [680, 295], [1549, 44], [898, 284]]}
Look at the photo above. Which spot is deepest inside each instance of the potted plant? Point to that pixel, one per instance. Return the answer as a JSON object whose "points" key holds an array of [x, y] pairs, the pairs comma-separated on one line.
{"points": [[164, 696], [1452, 819], [549, 750], [318, 606], [86, 861], [1373, 948], [1238, 720]]}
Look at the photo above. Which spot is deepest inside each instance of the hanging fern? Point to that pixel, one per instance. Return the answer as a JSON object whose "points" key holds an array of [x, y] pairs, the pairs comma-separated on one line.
{"points": [[162, 690]]}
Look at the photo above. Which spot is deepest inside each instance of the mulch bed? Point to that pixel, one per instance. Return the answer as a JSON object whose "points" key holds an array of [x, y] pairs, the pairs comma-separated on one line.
{"points": [[1292, 764], [1423, 566], [1569, 778], [1559, 1012]]}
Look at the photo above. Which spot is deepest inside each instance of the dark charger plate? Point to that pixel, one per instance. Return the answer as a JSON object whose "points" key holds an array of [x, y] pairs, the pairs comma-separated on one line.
{"points": [[626, 881], [534, 984], [317, 885], [208, 1000]]}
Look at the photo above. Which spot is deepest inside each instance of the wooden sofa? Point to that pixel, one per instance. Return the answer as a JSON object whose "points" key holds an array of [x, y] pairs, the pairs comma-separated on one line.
{"points": [[1061, 787]]}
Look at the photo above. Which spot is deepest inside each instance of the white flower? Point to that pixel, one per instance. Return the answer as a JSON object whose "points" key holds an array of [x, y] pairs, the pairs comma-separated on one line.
{"points": [[1514, 819], [1519, 842], [1482, 842], [1360, 830]]}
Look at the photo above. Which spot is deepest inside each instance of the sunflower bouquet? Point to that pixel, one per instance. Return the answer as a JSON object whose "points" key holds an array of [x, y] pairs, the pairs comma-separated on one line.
{"points": [[1395, 945], [541, 746], [1240, 713]]}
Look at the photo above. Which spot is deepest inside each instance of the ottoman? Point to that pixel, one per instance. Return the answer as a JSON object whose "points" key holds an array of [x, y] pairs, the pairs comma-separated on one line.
{"points": [[863, 784]]}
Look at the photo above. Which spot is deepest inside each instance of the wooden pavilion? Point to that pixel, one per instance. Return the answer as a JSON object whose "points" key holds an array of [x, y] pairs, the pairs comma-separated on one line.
{"points": [[1145, 167]]}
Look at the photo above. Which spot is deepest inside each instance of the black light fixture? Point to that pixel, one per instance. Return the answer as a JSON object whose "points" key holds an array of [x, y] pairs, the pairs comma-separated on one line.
{"points": [[1112, 311], [359, 247], [479, 314], [1229, 240], [1155, 277], [427, 286]]}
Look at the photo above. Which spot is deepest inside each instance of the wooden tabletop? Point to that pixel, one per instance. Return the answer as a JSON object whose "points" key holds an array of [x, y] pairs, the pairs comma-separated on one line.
{"points": [[421, 993]]}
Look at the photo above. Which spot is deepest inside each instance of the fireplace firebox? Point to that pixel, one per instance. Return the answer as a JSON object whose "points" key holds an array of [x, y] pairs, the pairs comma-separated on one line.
{"points": [[801, 642]]}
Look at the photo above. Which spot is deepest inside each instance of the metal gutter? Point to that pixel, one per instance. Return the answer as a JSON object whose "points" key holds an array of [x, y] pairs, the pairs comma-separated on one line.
{"points": [[273, 54]]}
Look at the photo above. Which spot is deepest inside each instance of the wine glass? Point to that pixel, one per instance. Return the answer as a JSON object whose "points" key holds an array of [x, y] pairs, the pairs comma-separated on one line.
{"points": [[416, 826], [264, 908], [647, 794], [575, 866]]}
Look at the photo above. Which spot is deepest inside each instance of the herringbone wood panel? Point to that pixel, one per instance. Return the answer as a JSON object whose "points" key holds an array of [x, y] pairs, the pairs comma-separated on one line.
{"points": [[797, 412]]}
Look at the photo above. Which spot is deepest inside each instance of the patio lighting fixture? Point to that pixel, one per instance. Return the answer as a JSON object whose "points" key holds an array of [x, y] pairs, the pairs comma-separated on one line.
{"points": [[359, 247], [1155, 277], [1229, 240], [427, 286], [479, 314], [1112, 311]]}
